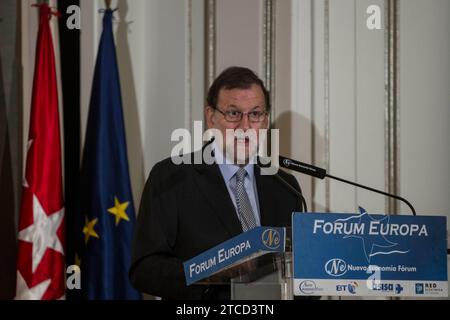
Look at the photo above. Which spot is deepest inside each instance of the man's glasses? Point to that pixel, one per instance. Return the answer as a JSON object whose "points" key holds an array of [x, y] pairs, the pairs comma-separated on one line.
{"points": [[236, 116]]}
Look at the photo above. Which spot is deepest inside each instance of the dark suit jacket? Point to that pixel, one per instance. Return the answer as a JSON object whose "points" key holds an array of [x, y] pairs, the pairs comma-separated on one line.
{"points": [[185, 210]]}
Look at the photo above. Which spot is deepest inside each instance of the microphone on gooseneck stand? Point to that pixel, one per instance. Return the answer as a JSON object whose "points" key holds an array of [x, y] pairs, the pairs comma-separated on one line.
{"points": [[288, 186], [293, 190], [322, 173]]}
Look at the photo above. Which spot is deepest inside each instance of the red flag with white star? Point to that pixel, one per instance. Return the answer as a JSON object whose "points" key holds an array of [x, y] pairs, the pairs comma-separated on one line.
{"points": [[40, 260]]}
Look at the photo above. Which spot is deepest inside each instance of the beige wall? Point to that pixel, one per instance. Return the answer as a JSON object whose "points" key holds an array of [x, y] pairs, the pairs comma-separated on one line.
{"points": [[160, 53], [330, 97], [425, 104], [330, 87], [240, 34]]}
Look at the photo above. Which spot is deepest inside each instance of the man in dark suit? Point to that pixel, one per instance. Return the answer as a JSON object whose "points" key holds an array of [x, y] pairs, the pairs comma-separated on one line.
{"points": [[189, 208]]}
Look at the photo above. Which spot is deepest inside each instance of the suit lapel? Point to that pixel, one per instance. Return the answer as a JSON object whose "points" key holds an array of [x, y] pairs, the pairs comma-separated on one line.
{"points": [[212, 186]]}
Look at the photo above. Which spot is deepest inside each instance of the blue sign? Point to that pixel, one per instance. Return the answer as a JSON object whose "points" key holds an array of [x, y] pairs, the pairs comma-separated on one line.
{"points": [[369, 255], [256, 241]]}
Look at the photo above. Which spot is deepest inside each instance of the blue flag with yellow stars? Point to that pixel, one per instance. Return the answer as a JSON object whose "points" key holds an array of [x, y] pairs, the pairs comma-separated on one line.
{"points": [[107, 214]]}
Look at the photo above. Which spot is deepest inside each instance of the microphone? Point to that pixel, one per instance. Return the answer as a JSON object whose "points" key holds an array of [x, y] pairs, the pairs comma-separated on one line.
{"points": [[288, 186], [302, 167], [322, 173]]}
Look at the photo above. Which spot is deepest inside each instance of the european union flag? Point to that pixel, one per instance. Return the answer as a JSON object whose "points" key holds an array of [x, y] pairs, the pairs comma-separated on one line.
{"points": [[106, 203]]}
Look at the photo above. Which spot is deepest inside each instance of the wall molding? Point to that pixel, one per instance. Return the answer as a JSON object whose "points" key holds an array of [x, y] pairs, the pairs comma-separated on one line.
{"points": [[188, 66], [392, 119], [326, 96], [269, 33], [210, 46]]}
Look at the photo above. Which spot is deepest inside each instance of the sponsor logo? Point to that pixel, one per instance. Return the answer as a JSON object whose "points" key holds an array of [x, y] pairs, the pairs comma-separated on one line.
{"points": [[419, 288], [271, 239], [336, 267], [386, 287], [398, 289], [428, 288], [430, 285], [308, 287], [351, 287]]}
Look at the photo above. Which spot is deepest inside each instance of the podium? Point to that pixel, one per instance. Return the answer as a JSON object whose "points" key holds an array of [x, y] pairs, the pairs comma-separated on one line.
{"points": [[264, 277], [272, 280], [257, 265], [331, 254]]}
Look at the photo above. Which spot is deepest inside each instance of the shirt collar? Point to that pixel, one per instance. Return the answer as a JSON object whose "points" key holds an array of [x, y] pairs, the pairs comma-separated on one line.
{"points": [[229, 170]]}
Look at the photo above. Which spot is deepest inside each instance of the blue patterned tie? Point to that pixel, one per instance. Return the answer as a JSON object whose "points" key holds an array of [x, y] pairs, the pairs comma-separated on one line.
{"points": [[244, 207]]}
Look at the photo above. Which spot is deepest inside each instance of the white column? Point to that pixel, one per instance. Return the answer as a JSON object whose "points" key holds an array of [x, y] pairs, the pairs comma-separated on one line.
{"points": [[239, 35]]}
